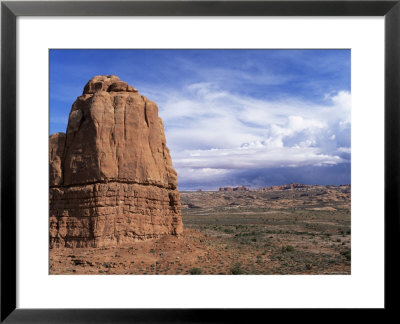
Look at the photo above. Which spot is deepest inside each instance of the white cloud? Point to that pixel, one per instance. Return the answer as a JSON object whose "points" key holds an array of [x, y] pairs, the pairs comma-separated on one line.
{"points": [[211, 130], [200, 174], [342, 105], [253, 157], [344, 149]]}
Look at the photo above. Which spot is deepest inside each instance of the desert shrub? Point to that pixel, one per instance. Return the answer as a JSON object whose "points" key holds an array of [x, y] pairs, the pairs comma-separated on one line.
{"points": [[152, 250], [195, 271], [236, 269], [288, 248], [344, 232], [308, 266], [106, 265], [228, 231], [346, 254]]}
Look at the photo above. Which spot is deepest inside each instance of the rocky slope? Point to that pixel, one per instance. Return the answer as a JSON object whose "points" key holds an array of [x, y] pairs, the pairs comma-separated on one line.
{"points": [[111, 174]]}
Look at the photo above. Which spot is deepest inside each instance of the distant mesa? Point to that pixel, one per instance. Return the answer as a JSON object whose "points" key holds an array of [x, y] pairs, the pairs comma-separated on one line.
{"points": [[295, 185], [240, 188], [111, 174], [272, 188], [290, 186]]}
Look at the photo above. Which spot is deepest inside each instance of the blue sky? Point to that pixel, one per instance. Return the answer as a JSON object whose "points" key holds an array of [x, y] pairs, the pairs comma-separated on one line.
{"points": [[232, 117]]}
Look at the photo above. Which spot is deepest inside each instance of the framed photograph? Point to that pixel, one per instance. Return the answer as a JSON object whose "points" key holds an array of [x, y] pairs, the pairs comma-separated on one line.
{"points": [[173, 161]]}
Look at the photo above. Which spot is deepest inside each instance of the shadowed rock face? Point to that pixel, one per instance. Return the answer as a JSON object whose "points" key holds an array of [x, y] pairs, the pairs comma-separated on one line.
{"points": [[111, 174], [56, 147]]}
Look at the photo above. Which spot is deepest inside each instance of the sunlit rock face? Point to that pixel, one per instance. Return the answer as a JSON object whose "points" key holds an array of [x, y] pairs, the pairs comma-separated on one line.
{"points": [[111, 174]]}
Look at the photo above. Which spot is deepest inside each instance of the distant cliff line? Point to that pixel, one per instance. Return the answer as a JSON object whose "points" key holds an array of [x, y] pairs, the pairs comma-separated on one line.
{"points": [[290, 186]]}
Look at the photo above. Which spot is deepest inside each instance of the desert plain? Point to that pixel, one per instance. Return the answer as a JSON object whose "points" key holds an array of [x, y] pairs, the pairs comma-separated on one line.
{"points": [[284, 230]]}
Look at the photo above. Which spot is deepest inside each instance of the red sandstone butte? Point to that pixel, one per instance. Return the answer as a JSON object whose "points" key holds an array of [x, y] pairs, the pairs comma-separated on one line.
{"points": [[111, 175]]}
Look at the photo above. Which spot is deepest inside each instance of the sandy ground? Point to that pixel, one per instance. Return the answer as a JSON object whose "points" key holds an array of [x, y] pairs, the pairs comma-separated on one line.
{"points": [[285, 232]]}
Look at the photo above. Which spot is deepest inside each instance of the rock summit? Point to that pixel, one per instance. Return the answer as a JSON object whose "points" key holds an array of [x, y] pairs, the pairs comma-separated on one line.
{"points": [[111, 174]]}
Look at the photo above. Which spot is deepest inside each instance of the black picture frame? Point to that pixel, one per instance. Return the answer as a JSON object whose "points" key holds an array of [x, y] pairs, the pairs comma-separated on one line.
{"points": [[10, 10]]}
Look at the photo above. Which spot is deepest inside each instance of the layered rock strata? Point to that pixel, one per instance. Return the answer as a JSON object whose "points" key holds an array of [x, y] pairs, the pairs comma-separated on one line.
{"points": [[111, 174]]}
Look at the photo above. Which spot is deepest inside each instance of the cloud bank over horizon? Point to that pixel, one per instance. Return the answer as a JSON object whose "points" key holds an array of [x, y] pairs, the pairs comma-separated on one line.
{"points": [[215, 136], [277, 117]]}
